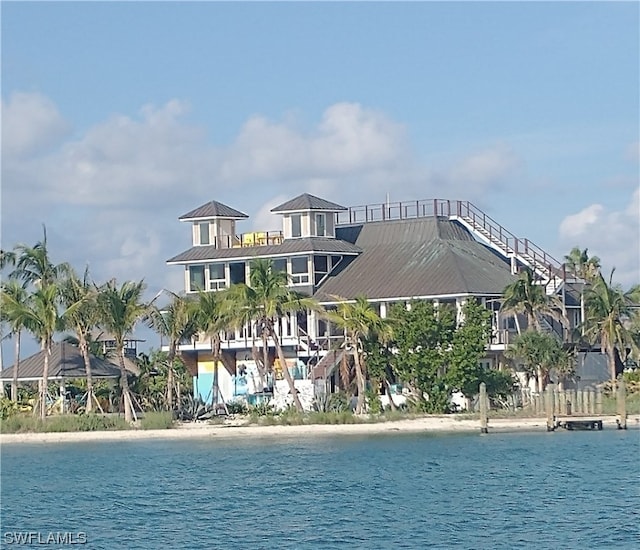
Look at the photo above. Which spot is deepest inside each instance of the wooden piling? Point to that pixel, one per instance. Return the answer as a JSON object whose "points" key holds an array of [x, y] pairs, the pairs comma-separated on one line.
{"points": [[599, 408], [621, 399], [548, 407], [484, 418], [579, 402]]}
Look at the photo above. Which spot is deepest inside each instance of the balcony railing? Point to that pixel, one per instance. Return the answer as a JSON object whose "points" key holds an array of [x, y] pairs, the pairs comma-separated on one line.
{"points": [[253, 238]]}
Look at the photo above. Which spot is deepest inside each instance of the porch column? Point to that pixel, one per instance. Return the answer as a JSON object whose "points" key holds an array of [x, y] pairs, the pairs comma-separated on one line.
{"points": [[460, 303], [383, 310]]}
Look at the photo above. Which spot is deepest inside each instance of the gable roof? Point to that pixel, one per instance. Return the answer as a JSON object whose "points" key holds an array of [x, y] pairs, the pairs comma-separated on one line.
{"points": [[307, 201], [288, 247], [213, 209], [65, 361], [424, 257]]}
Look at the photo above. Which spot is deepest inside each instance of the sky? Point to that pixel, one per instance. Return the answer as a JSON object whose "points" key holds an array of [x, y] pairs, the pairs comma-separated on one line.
{"points": [[119, 117]]}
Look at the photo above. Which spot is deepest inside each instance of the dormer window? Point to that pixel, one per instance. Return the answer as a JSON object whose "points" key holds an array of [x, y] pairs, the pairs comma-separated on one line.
{"points": [[296, 225], [321, 225], [204, 233]]}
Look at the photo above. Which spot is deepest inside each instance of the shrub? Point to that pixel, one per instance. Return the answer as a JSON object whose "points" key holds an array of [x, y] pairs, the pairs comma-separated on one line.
{"points": [[157, 420], [20, 423]]}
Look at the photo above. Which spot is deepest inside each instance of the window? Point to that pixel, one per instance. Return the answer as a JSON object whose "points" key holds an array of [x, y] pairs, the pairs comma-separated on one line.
{"points": [[204, 232], [196, 278], [237, 273], [296, 225], [300, 270], [320, 268], [279, 265], [217, 279], [321, 225], [335, 260]]}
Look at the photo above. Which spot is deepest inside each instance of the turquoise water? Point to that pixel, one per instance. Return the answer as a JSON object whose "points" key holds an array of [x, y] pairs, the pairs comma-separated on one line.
{"points": [[536, 490]]}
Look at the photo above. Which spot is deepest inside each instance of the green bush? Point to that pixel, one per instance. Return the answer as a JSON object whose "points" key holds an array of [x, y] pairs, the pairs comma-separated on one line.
{"points": [[20, 423], [7, 408], [157, 420]]}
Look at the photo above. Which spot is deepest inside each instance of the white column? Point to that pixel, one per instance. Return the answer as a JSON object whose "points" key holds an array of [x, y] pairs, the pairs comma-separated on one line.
{"points": [[383, 309]]}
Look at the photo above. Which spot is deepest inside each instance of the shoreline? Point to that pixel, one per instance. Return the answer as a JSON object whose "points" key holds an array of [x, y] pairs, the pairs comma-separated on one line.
{"points": [[427, 424]]}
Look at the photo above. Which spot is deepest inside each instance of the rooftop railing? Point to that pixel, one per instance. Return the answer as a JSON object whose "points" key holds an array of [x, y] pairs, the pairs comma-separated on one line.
{"points": [[253, 238]]}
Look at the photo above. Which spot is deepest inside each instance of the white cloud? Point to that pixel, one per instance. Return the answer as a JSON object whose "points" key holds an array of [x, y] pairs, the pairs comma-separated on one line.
{"points": [[612, 235], [31, 124], [577, 225], [111, 196]]}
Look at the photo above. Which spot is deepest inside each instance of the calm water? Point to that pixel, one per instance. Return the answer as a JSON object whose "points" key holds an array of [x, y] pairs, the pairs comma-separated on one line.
{"points": [[536, 490]]}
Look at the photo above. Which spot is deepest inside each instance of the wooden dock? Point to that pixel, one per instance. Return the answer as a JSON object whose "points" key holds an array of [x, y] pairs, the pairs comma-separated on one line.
{"points": [[579, 422]]}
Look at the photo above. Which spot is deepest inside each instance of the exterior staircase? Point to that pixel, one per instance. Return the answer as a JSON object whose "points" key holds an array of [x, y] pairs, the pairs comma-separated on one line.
{"points": [[326, 365], [550, 271]]}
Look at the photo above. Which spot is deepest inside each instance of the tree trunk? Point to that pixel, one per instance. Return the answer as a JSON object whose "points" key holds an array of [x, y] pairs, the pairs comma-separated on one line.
{"points": [[360, 381], [16, 366], [124, 385], [389, 393], [540, 380], [45, 382], [87, 368], [611, 360], [287, 374], [170, 375]]}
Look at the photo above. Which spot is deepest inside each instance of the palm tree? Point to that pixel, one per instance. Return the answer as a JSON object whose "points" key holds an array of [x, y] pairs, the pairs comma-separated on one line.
{"points": [[120, 308], [213, 315], [33, 265], [358, 320], [579, 262], [608, 310], [79, 296], [527, 297], [176, 322], [13, 304], [266, 300], [541, 354], [41, 317]]}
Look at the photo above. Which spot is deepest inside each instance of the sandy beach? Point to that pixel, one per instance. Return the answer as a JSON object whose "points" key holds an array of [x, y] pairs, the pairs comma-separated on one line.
{"points": [[431, 424]]}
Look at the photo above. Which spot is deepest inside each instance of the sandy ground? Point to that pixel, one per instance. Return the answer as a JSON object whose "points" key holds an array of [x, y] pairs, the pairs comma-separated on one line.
{"points": [[431, 424]]}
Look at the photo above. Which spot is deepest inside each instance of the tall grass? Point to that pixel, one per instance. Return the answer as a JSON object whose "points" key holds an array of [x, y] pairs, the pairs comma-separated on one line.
{"points": [[157, 420], [20, 423]]}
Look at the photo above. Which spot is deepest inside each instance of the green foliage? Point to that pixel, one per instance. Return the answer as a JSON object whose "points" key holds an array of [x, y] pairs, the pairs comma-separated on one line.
{"points": [[194, 409], [541, 354], [374, 405], [331, 402], [464, 372], [422, 336], [7, 408], [20, 423], [157, 420], [237, 407]]}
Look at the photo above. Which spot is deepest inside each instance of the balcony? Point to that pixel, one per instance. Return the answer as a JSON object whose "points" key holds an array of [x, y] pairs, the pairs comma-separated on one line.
{"points": [[254, 238]]}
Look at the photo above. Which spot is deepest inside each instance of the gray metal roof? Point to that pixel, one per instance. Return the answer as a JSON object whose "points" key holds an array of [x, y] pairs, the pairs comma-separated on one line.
{"points": [[213, 209], [308, 202], [416, 258], [65, 361], [288, 247]]}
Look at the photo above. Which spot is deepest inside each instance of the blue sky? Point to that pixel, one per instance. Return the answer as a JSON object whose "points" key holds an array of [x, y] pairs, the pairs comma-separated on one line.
{"points": [[119, 117]]}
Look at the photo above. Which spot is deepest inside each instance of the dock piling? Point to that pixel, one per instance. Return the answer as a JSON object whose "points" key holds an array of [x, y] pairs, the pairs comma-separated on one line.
{"points": [[621, 397], [484, 418]]}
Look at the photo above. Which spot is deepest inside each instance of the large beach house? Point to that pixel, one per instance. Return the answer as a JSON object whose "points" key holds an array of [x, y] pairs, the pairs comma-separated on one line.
{"points": [[441, 250]]}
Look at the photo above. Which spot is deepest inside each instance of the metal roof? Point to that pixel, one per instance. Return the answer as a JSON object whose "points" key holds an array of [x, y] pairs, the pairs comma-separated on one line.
{"points": [[308, 202], [65, 361], [416, 258], [288, 247], [213, 209]]}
